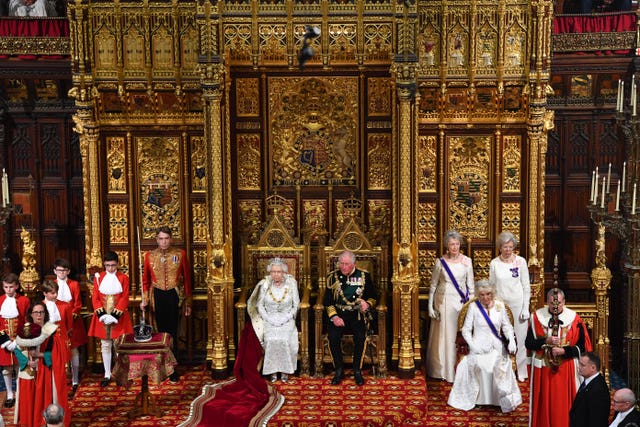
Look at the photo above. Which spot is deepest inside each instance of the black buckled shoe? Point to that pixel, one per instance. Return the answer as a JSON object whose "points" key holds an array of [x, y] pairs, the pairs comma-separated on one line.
{"points": [[105, 382], [357, 374], [175, 377], [9, 403], [337, 378]]}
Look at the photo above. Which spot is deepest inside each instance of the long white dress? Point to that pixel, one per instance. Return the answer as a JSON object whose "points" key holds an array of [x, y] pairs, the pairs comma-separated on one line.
{"points": [[485, 376], [441, 346], [275, 323], [511, 280]]}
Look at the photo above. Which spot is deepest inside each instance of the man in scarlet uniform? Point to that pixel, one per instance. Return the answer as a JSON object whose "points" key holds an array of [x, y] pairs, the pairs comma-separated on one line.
{"points": [[13, 309], [69, 292], [556, 339], [166, 283], [110, 298]]}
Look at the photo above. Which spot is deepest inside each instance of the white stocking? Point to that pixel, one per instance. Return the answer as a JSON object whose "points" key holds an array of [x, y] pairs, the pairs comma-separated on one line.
{"points": [[106, 357], [75, 365], [7, 374]]}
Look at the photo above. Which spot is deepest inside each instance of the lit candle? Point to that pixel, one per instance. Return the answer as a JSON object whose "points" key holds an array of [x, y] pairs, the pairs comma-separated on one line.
{"points": [[604, 183], [633, 200], [618, 198], [624, 176], [633, 95], [5, 188], [622, 98], [593, 184], [609, 179], [618, 97], [595, 188]]}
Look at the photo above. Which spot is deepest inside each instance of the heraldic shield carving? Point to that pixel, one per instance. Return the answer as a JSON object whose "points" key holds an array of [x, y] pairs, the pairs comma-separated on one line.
{"points": [[159, 192], [314, 130]]}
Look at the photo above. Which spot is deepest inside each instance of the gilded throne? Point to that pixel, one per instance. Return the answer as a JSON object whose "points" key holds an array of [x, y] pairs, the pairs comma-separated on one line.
{"points": [[276, 241], [372, 259]]}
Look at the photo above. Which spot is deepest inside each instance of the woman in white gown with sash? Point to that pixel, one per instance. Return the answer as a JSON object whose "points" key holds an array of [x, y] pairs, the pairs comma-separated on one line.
{"points": [[451, 287]]}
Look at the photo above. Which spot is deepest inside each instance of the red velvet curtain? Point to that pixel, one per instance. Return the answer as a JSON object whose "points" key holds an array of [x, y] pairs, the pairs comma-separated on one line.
{"points": [[603, 23], [36, 27]]}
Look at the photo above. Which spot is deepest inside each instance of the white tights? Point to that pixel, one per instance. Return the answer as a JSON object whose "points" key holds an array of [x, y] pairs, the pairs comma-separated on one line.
{"points": [[106, 345]]}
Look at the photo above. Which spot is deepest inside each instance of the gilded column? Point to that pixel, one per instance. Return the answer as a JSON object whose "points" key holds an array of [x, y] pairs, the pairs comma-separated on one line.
{"points": [[405, 277], [539, 122], [219, 269]]}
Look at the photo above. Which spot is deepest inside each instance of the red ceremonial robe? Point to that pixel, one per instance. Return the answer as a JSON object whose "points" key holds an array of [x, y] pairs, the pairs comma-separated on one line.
{"points": [[552, 391], [79, 334], [51, 381], [7, 358], [124, 326]]}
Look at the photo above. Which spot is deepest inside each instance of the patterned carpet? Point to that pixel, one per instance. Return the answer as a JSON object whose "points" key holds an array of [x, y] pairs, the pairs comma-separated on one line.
{"points": [[310, 402]]}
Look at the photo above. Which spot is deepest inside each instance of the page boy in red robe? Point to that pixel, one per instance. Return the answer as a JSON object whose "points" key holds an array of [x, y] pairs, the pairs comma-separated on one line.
{"points": [[69, 292], [13, 311], [110, 299], [60, 313]]}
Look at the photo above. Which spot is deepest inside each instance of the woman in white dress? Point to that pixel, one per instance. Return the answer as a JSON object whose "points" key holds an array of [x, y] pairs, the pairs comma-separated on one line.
{"points": [[509, 274], [273, 306], [446, 298], [485, 376]]}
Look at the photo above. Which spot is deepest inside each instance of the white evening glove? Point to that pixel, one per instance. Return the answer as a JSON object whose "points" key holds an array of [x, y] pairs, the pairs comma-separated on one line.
{"points": [[108, 319], [473, 349], [512, 346], [11, 346], [524, 315]]}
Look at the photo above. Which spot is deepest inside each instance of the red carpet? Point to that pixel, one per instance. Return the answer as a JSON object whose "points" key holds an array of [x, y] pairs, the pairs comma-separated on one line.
{"points": [[310, 402]]}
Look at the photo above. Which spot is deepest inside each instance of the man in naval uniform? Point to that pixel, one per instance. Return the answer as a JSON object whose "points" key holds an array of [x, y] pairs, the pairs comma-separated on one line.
{"points": [[349, 299], [166, 284]]}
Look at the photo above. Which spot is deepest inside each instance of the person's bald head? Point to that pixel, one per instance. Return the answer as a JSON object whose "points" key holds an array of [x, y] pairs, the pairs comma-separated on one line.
{"points": [[623, 400]]}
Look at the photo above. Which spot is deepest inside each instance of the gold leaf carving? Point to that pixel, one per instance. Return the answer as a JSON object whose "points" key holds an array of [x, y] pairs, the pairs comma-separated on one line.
{"points": [[313, 130], [380, 220], [250, 218], [427, 222], [378, 44], [199, 269], [426, 261], [123, 261], [379, 156], [315, 218], [247, 97], [159, 178], [273, 42], [198, 164], [428, 161], [249, 161], [481, 260], [342, 42], [511, 169], [379, 93], [237, 42], [469, 160], [116, 164], [511, 218], [118, 224], [199, 222]]}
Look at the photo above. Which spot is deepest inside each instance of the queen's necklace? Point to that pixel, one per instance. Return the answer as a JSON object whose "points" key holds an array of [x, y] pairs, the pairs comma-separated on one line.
{"points": [[278, 300]]}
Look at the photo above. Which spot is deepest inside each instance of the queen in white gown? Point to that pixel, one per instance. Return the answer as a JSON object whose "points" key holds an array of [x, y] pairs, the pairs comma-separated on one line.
{"points": [[445, 302], [273, 306], [510, 276], [485, 376]]}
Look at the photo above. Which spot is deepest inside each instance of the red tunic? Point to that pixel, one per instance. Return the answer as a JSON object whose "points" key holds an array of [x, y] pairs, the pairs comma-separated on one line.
{"points": [[51, 381], [79, 335], [552, 391], [10, 326], [121, 304]]}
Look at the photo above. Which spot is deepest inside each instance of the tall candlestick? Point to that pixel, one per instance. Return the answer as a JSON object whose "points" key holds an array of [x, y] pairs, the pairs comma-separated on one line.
{"points": [[624, 176], [609, 179], [622, 98], [593, 184], [618, 198], [633, 96], [604, 183], [633, 200]]}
